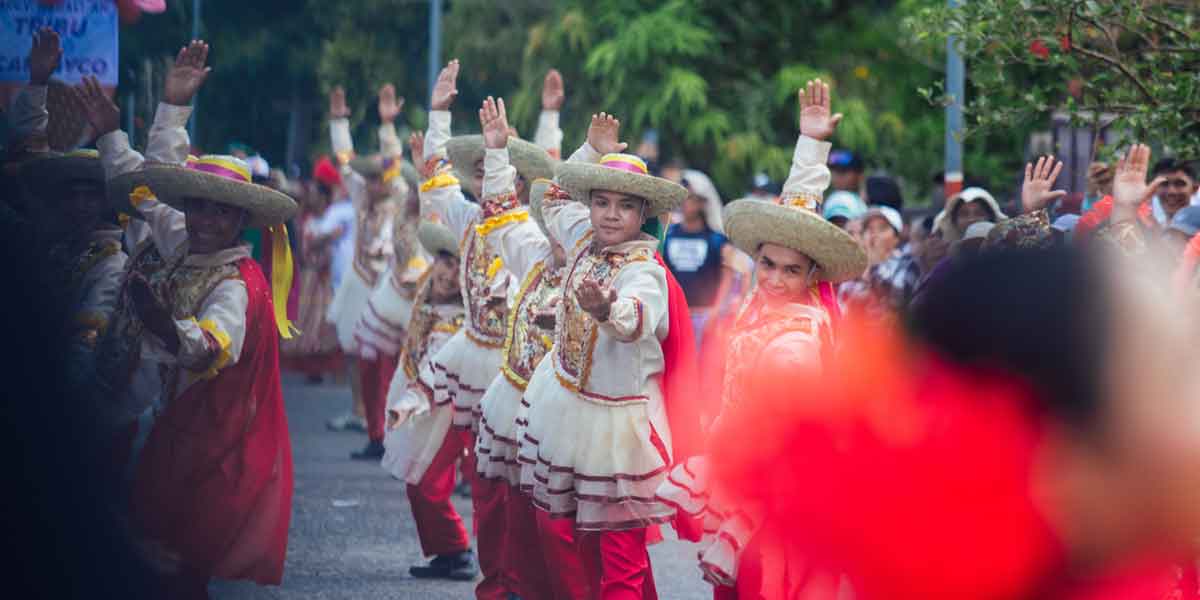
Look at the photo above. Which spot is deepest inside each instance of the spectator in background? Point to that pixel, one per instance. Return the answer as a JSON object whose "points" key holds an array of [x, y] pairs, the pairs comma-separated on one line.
{"points": [[1178, 189], [969, 206], [1099, 184], [842, 207], [1184, 226], [847, 169], [882, 190], [698, 253]]}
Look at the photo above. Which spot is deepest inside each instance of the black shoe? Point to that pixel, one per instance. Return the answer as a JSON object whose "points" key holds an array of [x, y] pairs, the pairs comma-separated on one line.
{"points": [[314, 380], [373, 451], [455, 567], [462, 489]]}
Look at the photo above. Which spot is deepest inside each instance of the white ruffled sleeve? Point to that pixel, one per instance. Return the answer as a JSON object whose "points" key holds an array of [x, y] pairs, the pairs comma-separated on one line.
{"points": [[101, 285], [548, 135], [168, 141], [809, 175], [641, 306], [212, 339], [27, 113]]}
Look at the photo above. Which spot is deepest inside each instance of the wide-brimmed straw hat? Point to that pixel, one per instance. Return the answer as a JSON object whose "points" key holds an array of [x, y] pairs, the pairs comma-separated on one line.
{"points": [[621, 173], [796, 224], [219, 178], [437, 238], [67, 127], [55, 170], [530, 160], [537, 193]]}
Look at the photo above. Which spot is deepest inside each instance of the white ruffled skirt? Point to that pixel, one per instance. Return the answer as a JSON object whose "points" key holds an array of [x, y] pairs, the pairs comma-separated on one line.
{"points": [[728, 526], [497, 443], [599, 462], [349, 302], [381, 325], [411, 447], [462, 372]]}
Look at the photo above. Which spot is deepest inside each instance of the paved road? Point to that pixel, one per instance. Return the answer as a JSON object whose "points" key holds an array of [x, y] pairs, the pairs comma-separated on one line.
{"points": [[363, 550]]}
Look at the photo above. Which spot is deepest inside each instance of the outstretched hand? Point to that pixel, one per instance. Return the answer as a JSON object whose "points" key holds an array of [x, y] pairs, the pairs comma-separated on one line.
{"points": [[44, 56], [389, 105], [446, 88], [96, 106], [1130, 189], [493, 119], [816, 120], [595, 300], [603, 134], [1035, 192], [416, 149], [187, 74], [552, 91], [337, 103]]}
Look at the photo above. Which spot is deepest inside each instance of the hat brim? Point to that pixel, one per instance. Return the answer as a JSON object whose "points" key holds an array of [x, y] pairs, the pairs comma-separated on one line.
{"points": [[58, 171], [67, 127], [437, 238], [580, 178], [173, 184], [366, 166], [751, 223], [530, 160], [537, 193]]}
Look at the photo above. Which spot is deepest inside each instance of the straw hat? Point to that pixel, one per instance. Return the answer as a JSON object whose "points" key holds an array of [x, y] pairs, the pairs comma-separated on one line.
{"points": [[625, 174], [537, 193], [223, 179], [437, 238], [57, 170], [530, 160], [68, 127], [795, 224]]}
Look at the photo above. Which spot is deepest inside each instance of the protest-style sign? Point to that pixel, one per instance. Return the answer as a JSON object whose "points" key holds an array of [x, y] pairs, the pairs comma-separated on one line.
{"points": [[88, 30]]}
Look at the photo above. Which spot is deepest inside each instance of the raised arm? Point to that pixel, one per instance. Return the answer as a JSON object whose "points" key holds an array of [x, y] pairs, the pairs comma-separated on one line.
{"points": [[389, 108], [602, 138], [28, 116], [634, 307], [441, 194], [809, 175], [548, 134], [506, 222]]}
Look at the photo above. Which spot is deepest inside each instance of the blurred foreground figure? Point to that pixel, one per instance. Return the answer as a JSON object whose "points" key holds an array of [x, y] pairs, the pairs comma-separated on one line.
{"points": [[1035, 436]]}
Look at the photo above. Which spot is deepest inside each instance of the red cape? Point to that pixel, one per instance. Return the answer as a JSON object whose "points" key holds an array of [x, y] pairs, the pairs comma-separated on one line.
{"points": [[214, 481]]}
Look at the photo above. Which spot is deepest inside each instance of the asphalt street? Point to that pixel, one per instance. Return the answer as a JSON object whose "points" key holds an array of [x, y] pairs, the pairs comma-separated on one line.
{"points": [[352, 535]]}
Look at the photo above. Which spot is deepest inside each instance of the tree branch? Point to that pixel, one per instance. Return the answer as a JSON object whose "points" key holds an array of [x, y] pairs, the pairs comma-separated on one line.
{"points": [[1120, 67], [1166, 25]]}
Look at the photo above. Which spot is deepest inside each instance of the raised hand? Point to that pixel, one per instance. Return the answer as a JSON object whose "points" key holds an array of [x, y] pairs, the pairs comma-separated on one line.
{"points": [[816, 120], [96, 106], [493, 119], [416, 149], [1129, 184], [1035, 192], [446, 88], [44, 56], [603, 134], [389, 105], [187, 74], [594, 299], [337, 103], [552, 91]]}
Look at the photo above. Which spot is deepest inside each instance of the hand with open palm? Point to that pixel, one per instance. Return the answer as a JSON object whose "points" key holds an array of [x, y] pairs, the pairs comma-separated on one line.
{"points": [[1035, 191], [187, 74], [446, 88], [493, 119], [816, 120], [389, 105], [603, 134]]}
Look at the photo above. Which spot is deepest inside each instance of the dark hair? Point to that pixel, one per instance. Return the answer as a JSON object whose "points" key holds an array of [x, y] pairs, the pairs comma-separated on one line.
{"points": [[1039, 314], [884, 191], [446, 255], [1171, 165]]}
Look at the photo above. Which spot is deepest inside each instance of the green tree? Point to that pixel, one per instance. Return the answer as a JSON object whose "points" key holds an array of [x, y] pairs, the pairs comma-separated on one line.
{"points": [[1135, 61]]}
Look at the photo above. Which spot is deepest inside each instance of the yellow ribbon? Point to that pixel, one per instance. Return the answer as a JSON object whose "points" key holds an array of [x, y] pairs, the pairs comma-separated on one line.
{"points": [[439, 181], [281, 278]]}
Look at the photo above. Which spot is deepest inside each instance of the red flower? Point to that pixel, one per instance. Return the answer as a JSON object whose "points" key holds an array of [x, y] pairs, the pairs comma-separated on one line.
{"points": [[1039, 49], [1064, 42]]}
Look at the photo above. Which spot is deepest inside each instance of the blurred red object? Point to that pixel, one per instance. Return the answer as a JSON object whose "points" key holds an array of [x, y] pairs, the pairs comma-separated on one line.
{"points": [[904, 472], [131, 11], [326, 173], [1039, 49]]}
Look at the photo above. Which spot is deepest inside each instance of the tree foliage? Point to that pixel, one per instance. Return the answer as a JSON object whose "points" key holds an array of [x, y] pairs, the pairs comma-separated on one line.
{"points": [[1132, 64]]}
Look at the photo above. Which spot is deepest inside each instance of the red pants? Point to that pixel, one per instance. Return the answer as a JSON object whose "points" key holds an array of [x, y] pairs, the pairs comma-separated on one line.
{"points": [[439, 527], [617, 564], [526, 565], [376, 377], [564, 566]]}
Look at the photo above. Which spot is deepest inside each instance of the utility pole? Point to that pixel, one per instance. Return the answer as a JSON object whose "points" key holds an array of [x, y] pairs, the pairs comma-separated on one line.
{"points": [[435, 42], [955, 73], [196, 99]]}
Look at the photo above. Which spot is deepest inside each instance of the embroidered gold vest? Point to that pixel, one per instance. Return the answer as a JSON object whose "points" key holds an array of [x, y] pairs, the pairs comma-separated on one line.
{"points": [[526, 342], [425, 320], [477, 271]]}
